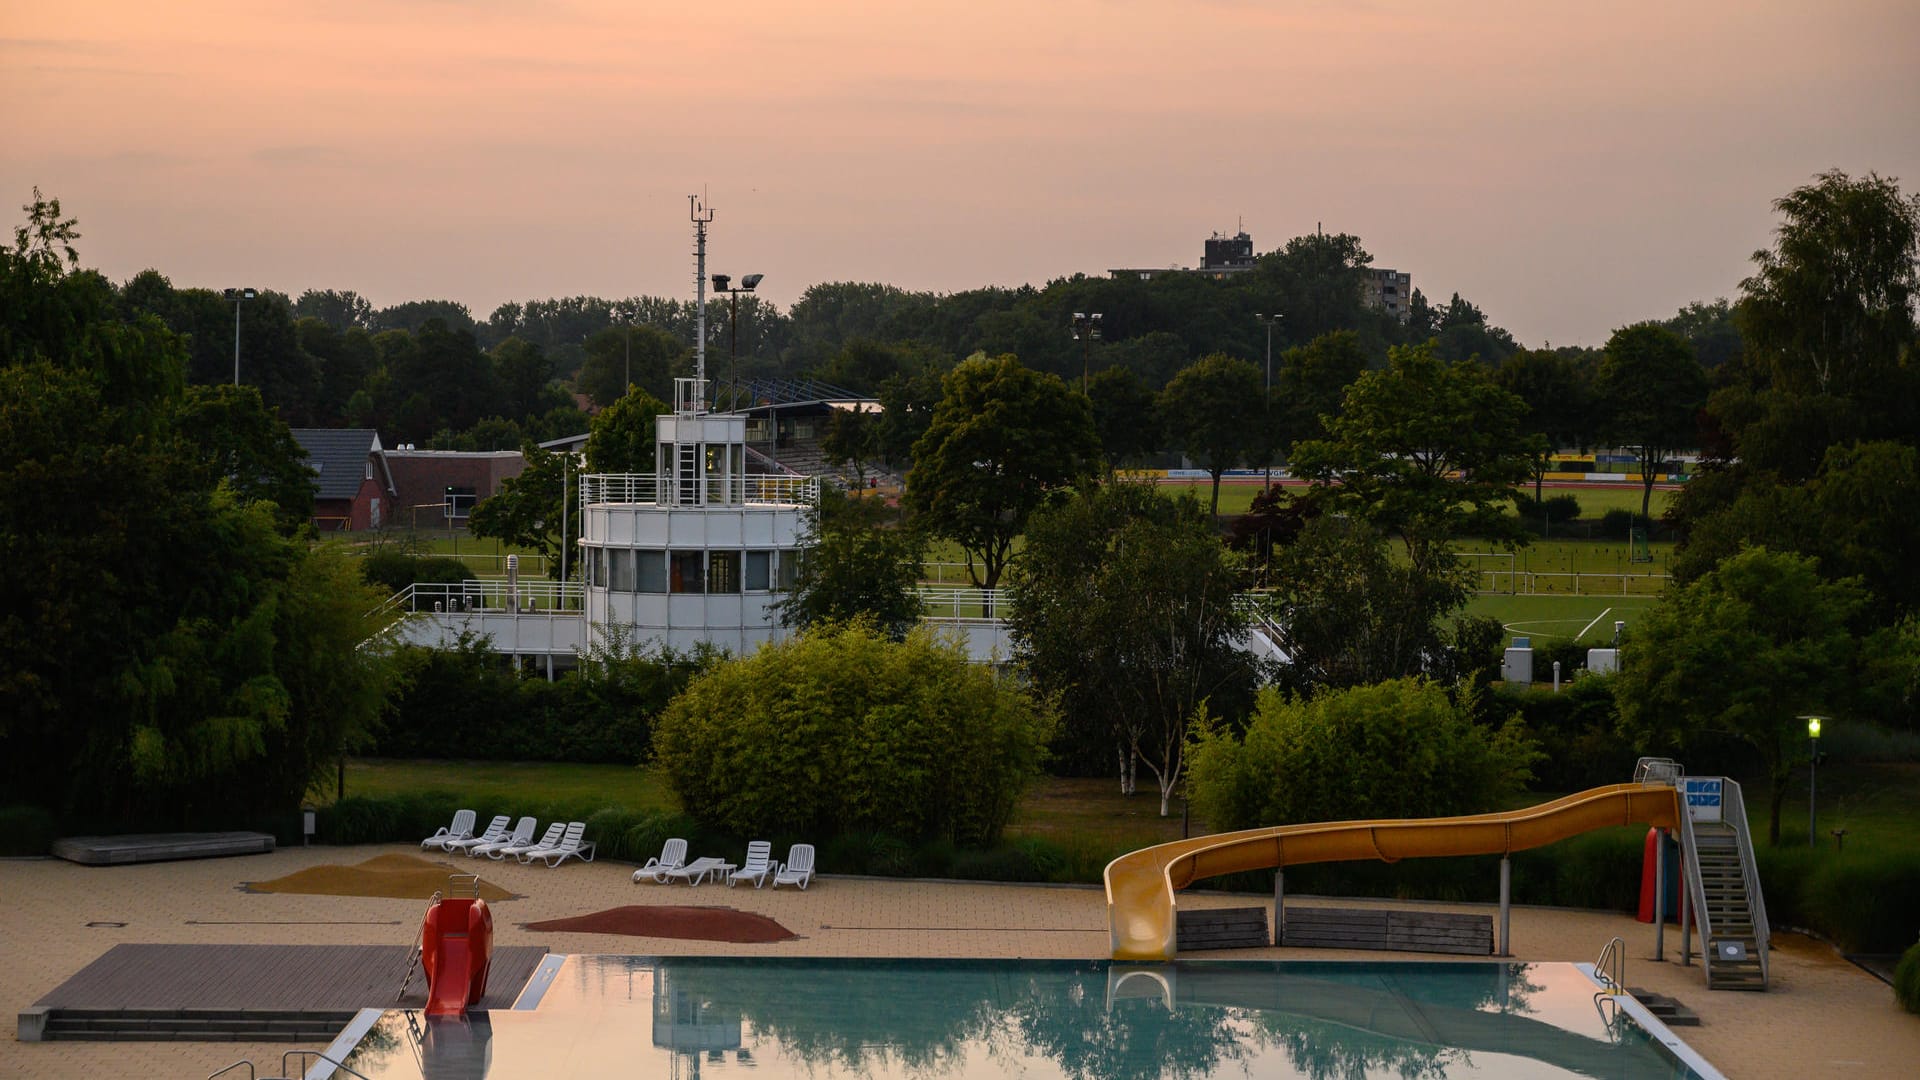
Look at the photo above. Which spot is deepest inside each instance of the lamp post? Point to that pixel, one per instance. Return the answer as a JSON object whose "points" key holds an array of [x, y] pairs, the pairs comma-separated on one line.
{"points": [[1266, 404], [1813, 776], [1086, 331], [238, 296], [721, 283]]}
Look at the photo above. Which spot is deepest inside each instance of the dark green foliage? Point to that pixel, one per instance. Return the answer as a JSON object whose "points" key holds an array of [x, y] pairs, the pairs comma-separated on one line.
{"points": [[1027, 860], [466, 702], [1579, 743], [1554, 508], [1214, 412], [1906, 980], [394, 570], [1617, 524], [843, 730], [1398, 749], [26, 830], [1866, 900], [858, 564]]}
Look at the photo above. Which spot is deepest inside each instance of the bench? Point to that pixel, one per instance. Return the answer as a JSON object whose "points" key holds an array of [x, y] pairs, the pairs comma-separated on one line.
{"points": [[1221, 928], [1397, 931]]}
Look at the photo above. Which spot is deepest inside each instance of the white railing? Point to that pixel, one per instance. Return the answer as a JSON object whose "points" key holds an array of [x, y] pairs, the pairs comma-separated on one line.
{"points": [[963, 604], [1735, 807], [647, 490], [525, 597]]}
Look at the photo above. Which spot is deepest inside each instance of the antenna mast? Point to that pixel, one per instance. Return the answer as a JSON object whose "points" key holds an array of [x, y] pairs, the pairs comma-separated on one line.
{"points": [[702, 216]]}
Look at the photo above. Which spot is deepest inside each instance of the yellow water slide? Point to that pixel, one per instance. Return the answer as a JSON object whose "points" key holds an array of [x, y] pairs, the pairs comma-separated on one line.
{"points": [[1141, 884]]}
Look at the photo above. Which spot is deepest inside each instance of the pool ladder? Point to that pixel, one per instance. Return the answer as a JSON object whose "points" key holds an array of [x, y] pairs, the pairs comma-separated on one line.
{"points": [[1611, 967], [285, 1074]]}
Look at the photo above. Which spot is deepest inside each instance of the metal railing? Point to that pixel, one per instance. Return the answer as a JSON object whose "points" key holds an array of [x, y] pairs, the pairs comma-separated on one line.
{"points": [[1733, 805], [963, 603], [1611, 967], [755, 489], [525, 597]]}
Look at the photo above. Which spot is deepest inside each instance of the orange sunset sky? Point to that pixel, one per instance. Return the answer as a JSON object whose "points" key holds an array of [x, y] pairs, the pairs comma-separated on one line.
{"points": [[1568, 167]]}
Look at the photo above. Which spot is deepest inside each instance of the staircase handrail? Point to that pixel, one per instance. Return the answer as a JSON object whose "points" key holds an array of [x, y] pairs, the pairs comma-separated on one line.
{"points": [[1735, 806], [323, 1056], [1696, 887]]}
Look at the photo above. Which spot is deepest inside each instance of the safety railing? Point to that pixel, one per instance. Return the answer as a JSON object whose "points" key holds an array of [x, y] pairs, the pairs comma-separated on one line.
{"points": [[1735, 808], [303, 1055], [963, 604], [1611, 966], [523, 597], [755, 489]]}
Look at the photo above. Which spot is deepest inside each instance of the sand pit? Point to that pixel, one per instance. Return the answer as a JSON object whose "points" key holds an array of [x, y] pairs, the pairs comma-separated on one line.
{"points": [[402, 877], [667, 921]]}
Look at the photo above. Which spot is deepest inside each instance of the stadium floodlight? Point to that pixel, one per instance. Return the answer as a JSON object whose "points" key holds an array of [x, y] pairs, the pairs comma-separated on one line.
{"points": [[238, 296]]}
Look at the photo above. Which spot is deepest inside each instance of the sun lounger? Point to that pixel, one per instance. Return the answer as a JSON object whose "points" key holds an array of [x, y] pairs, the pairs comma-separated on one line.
{"points": [[571, 846], [522, 836], [759, 864], [552, 836], [496, 830], [697, 871], [461, 829], [798, 869], [673, 855]]}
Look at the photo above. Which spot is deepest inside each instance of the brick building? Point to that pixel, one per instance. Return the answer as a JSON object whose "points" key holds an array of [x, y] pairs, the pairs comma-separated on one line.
{"points": [[352, 488], [436, 489]]}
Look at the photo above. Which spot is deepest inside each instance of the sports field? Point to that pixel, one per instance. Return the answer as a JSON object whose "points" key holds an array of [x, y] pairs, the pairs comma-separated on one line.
{"points": [[1551, 619], [1595, 499]]}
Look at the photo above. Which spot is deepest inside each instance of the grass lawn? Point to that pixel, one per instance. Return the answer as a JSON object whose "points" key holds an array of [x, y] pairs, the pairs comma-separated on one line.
{"points": [[1085, 812], [1549, 619], [528, 781]]}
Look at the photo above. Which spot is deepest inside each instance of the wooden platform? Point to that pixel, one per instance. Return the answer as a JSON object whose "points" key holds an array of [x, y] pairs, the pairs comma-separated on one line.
{"points": [[1397, 931], [307, 978], [1222, 928], [159, 847]]}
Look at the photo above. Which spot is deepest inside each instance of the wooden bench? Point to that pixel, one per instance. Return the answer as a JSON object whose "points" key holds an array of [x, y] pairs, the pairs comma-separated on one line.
{"points": [[1222, 928], [1396, 931]]}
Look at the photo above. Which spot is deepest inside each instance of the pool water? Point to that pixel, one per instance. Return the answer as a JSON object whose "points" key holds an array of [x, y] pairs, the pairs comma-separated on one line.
{"points": [[1083, 1020]]}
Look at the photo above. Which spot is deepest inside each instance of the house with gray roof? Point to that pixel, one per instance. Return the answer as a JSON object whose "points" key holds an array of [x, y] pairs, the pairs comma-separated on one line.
{"points": [[352, 486]]}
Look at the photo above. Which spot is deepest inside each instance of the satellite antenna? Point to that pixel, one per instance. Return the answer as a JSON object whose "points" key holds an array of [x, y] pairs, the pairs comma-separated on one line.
{"points": [[702, 216]]}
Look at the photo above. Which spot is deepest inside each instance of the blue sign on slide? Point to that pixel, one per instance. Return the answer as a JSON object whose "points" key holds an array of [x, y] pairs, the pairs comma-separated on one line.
{"points": [[1703, 798]]}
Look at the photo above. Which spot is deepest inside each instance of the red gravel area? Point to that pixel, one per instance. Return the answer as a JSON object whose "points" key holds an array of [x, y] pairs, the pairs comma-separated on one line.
{"points": [[693, 923]]}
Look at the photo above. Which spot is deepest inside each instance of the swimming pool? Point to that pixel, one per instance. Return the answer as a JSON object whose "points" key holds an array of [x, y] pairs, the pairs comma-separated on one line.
{"points": [[1076, 1020]]}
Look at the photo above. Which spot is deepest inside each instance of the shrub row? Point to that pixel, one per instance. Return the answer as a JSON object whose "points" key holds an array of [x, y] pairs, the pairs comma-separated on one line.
{"points": [[26, 830], [394, 570], [1865, 899], [1906, 980]]}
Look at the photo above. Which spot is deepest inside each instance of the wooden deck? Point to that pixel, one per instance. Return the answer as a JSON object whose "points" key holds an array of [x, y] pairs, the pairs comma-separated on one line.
{"points": [[305, 978], [158, 847]]}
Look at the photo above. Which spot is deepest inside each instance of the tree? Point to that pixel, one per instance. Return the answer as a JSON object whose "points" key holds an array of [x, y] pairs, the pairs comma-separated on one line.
{"points": [[652, 355], [1746, 651], [1124, 608], [238, 442], [1320, 281], [1002, 436], [1313, 379], [623, 437], [1559, 407], [526, 379], [1347, 613], [343, 311], [852, 439], [856, 566], [1123, 415], [527, 510], [1425, 449], [1398, 749], [1212, 411], [920, 743], [1831, 306], [1650, 390]]}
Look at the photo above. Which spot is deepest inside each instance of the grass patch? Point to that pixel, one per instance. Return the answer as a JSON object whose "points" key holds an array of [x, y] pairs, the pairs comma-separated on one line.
{"points": [[1548, 619], [481, 783]]}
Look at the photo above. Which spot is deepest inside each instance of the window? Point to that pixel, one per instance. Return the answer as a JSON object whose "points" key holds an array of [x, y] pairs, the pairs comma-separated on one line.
{"points": [[620, 579], [759, 576], [789, 570], [457, 503], [723, 572], [688, 572], [652, 574]]}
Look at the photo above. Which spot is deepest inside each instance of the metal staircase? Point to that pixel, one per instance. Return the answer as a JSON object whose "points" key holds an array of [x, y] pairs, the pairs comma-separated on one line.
{"points": [[1724, 893]]}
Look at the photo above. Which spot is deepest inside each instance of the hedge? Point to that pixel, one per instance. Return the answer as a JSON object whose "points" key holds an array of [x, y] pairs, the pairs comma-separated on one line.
{"points": [[1906, 980]]}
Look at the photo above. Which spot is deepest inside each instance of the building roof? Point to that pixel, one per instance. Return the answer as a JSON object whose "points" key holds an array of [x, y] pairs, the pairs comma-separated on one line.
{"points": [[338, 457]]}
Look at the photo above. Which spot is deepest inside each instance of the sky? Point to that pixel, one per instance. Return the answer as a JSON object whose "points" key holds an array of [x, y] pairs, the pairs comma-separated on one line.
{"points": [[1569, 167]]}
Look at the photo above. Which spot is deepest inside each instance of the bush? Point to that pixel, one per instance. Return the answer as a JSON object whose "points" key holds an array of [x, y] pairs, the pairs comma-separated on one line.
{"points": [[1575, 728], [1398, 749], [395, 570], [1906, 980], [1559, 508], [1866, 901], [1617, 524], [26, 830], [842, 730]]}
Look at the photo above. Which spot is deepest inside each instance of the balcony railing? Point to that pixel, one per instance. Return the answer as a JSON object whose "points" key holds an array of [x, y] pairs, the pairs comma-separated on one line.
{"points": [[755, 489], [523, 597]]}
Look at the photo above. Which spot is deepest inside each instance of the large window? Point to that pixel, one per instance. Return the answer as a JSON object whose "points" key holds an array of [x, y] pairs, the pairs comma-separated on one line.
{"points": [[620, 573], [789, 570], [688, 572], [759, 576], [723, 571], [652, 574]]}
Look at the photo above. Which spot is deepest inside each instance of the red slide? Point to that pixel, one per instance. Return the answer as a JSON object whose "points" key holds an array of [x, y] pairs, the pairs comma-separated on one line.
{"points": [[456, 945]]}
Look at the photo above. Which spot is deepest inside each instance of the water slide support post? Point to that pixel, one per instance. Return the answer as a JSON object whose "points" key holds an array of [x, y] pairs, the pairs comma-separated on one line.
{"points": [[1506, 905], [1279, 905], [1660, 897]]}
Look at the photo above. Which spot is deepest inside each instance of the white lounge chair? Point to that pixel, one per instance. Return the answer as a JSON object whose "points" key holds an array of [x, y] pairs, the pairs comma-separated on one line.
{"points": [[522, 834], [697, 871], [759, 864], [461, 829], [495, 830], [798, 869], [673, 856], [550, 838], [570, 846]]}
